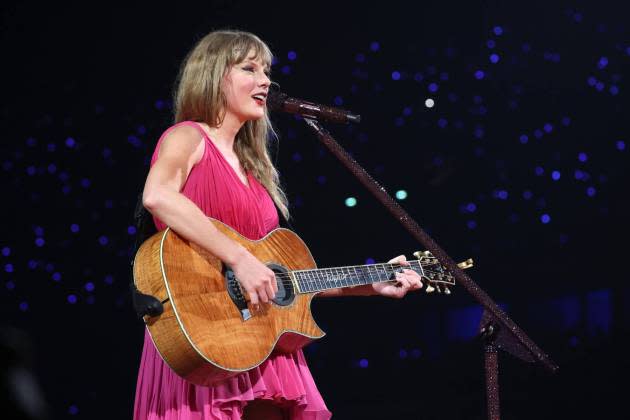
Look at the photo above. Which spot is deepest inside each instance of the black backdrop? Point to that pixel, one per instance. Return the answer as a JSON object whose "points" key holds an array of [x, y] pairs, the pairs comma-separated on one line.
{"points": [[478, 168]]}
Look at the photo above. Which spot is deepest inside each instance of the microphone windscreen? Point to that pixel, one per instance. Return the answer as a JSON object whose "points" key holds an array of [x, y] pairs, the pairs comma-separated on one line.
{"points": [[275, 100]]}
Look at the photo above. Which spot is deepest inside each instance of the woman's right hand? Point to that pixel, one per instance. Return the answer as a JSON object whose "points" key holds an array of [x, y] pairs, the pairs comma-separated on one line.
{"points": [[255, 278]]}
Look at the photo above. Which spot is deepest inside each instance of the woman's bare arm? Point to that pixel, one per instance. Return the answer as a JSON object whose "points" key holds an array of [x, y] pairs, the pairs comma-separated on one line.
{"points": [[180, 151]]}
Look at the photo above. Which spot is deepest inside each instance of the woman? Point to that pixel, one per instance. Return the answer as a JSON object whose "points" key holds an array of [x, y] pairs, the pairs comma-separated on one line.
{"points": [[214, 163]]}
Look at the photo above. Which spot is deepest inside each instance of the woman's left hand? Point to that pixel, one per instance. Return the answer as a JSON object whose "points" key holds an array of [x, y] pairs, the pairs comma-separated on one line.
{"points": [[405, 281]]}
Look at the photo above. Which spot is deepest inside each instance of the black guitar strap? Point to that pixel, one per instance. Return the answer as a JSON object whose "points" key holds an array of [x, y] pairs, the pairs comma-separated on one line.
{"points": [[143, 304]]}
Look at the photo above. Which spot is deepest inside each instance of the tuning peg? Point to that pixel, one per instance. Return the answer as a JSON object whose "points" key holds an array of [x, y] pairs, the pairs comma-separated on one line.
{"points": [[466, 264], [437, 287], [446, 290], [429, 288], [421, 254]]}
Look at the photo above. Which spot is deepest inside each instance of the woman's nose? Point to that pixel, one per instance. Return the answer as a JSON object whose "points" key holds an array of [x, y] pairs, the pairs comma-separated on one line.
{"points": [[265, 80]]}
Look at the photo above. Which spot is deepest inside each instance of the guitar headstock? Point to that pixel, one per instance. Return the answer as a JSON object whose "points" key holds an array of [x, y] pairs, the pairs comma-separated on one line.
{"points": [[436, 276]]}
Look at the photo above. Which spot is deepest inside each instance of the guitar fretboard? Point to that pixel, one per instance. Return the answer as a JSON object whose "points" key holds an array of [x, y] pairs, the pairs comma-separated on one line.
{"points": [[317, 280]]}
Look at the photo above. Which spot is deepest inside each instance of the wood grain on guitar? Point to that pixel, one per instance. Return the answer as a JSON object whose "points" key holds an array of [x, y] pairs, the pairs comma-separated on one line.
{"points": [[209, 331]]}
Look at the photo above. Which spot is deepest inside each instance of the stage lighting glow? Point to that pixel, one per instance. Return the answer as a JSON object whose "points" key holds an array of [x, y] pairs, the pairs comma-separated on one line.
{"points": [[614, 90], [490, 43], [351, 202], [621, 145], [433, 87], [583, 157], [555, 175], [494, 58], [89, 286], [292, 55], [479, 74], [364, 363], [591, 191], [429, 103], [375, 46], [523, 139], [545, 218], [6, 251], [395, 75], [548, 128], [56, 276], [401, 194], [70, 142], [72, 299], [498, 30]]}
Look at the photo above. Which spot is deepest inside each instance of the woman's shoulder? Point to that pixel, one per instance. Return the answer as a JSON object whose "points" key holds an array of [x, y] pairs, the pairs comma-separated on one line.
{"points": [[183, 137], [185, 129]]}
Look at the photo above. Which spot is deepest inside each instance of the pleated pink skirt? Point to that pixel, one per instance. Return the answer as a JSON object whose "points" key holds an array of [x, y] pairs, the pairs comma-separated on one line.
{"points": [[283, 379]]}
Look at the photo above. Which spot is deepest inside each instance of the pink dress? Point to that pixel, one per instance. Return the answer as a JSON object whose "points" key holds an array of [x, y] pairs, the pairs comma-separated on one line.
{"points": [[285, 378]]}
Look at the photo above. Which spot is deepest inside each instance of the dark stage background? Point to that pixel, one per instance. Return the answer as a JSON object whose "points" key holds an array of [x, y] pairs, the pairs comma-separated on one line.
{"points": [[521, 162]]}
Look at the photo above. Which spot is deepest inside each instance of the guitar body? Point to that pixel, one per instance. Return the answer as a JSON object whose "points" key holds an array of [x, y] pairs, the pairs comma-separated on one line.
{"points": [[207, 331]]}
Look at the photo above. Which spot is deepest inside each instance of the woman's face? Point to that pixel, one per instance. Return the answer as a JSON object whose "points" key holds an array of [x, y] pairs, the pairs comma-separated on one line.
{"points": [[245, 87]]}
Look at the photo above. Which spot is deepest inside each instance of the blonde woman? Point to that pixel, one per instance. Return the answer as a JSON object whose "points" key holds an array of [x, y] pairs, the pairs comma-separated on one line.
{"points": [[213, 162]]}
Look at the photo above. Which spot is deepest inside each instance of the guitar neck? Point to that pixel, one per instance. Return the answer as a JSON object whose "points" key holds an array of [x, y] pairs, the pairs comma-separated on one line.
{"points": [[309, 281]]}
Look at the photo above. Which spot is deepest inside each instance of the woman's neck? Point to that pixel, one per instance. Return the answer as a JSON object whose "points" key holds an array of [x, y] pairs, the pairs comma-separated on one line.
{"points": [[225, 134]]}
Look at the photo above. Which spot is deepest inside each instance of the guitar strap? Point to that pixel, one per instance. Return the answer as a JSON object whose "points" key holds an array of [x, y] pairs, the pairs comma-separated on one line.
{"points": [[143, 304]]}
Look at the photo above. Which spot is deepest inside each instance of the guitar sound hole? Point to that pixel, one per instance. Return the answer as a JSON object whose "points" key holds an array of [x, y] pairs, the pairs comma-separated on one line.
{"points": [[286, 293]]}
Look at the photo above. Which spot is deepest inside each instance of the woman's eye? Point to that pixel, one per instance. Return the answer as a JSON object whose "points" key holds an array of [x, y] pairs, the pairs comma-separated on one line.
{"points": [[248, 69]]}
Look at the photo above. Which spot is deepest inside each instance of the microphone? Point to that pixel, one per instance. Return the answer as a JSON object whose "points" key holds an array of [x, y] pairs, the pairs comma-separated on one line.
{"points": [[278, 101]]}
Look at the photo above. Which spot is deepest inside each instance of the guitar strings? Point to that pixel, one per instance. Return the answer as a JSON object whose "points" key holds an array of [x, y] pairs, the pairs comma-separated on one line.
{"points": [[285, 278], [365, 270]]}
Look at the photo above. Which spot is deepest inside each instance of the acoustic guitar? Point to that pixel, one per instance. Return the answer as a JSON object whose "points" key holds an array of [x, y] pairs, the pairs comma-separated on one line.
{"points": [[208, 330]]}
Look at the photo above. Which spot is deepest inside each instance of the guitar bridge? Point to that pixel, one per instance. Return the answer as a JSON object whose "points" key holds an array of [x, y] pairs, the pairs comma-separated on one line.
{"points": [[236, 293]]}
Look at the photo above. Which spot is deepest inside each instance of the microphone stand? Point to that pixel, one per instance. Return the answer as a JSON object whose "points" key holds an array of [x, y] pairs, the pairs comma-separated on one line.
{"points": [[497, 330]]}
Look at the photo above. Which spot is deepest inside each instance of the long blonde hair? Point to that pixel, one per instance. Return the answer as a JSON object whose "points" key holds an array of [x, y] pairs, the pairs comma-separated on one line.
{"points": [[198, 97]]}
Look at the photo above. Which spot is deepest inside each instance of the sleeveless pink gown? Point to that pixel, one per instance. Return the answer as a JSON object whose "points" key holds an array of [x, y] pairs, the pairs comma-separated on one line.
{"points": [[283, 379]]}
